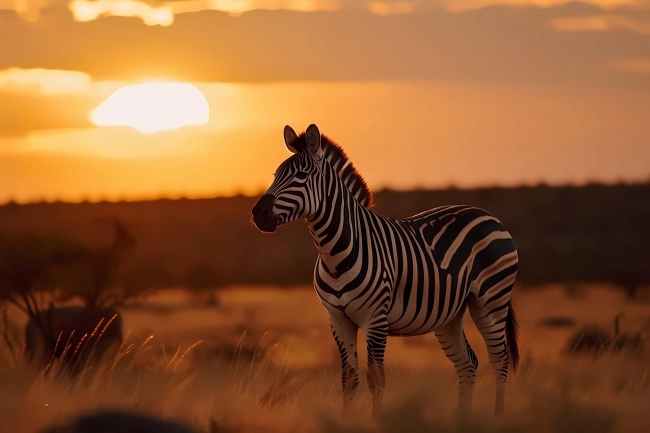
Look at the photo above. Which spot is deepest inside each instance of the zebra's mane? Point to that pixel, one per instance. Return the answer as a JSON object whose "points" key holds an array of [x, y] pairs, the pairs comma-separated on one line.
{"points": [[343, 166]]}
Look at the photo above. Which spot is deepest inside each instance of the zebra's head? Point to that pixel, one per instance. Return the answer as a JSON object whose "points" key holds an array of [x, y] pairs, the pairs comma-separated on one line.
{"points": [[294, 192]]}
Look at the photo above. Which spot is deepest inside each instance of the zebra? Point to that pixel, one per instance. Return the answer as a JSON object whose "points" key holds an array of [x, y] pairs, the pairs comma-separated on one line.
{"points": [[396, 277]]}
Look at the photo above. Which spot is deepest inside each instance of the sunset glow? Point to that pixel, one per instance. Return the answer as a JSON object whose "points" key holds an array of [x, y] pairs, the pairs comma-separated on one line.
{"points": [[153, 107], [497, 92]]}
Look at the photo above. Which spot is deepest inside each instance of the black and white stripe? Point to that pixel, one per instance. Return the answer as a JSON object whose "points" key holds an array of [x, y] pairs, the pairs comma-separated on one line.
{"points": [[396, 277]]}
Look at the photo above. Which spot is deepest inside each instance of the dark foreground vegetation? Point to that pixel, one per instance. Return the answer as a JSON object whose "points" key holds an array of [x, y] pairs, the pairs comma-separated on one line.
{"points": [[594, 233]]}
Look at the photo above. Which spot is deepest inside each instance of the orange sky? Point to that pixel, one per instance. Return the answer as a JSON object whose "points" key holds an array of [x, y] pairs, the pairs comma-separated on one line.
{"points": [[419, 93]]}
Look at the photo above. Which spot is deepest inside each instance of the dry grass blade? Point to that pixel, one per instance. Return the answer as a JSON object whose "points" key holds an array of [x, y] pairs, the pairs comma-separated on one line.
{"points": [[185, 353]]}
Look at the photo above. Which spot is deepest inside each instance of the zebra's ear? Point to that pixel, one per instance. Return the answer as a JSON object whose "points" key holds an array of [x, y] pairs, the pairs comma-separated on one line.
{"points": [[312, 138], [289, 137]]}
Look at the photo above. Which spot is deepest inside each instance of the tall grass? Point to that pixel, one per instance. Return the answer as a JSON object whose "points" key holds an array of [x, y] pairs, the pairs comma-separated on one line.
{"points": [[255, 381], [242, 394]]}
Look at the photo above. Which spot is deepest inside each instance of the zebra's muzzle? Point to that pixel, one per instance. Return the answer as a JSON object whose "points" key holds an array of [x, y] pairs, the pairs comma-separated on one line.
{"points": [[263, 217]]}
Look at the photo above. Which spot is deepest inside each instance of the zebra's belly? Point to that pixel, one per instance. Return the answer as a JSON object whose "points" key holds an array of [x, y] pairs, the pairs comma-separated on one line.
{"points": [[424, 309], [417, 326], [402, 333]]}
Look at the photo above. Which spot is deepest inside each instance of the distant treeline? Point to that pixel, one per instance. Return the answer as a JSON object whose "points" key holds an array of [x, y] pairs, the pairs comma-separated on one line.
{"points": [[593, 233]]}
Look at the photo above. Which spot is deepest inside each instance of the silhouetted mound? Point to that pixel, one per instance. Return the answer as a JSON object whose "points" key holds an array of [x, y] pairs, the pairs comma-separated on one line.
{"points": [[119, 422]]}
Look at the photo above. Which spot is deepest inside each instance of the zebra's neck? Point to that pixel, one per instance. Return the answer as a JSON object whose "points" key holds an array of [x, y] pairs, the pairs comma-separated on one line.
{"points": [[335, 227]]}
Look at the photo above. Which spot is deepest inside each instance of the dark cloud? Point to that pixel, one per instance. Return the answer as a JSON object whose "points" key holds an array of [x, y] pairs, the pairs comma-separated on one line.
{"points": [[491, 44]]}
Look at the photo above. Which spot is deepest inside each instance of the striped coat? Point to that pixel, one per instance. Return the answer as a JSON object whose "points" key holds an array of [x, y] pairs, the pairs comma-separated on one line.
{"points": [[397, 277]]}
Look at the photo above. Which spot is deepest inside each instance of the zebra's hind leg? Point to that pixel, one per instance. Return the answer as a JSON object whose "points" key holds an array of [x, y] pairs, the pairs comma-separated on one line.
{"points": [[491, 320], [453, 342], [376, 336], [345, 336]]}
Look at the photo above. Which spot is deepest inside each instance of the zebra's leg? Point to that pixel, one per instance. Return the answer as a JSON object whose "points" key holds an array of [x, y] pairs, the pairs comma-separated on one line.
{"points": [[376, 335], [453, 342], [490, 320], [345, 336]]}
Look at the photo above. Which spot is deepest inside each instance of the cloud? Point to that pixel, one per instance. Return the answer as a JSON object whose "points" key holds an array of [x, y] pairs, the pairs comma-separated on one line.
{"points": [[39, 99], [45, 81], [602, 23], [164, 12], [30, 10], [499, 44], [84, 10], [463, 5], [55, 72], [155, 12]]}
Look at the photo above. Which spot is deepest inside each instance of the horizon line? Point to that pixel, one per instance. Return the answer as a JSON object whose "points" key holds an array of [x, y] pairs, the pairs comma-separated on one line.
{"points": [[385, 189]]}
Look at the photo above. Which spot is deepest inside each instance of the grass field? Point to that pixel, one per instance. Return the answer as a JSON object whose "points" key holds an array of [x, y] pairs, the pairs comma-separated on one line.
{"points": [[263, 360]]}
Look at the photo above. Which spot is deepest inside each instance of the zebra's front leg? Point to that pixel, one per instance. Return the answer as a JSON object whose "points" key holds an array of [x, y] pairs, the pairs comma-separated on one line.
{"points": [[345, 336], [376, 336]]}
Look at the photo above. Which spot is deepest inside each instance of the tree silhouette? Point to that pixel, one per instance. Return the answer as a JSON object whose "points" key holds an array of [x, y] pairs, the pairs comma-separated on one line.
{"points": [[25, 265], [89, 273], [38, 272]]}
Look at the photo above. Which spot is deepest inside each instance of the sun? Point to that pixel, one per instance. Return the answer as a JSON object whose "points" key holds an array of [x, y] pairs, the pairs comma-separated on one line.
{"points": [[153, 107]]}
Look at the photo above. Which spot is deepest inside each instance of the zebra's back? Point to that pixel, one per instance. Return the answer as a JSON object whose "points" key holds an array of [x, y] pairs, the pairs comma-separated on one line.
{"points": [[460, 250]]}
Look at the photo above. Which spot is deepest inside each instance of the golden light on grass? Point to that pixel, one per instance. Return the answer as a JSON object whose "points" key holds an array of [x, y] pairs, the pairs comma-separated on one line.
{"points": [[153, 107]]}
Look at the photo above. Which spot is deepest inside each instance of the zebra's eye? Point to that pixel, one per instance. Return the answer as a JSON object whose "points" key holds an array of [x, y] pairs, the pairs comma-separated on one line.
{"points": [[302, 175]]}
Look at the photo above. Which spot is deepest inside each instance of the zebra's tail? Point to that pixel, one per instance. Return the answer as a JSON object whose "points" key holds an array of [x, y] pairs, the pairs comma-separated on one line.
{"points": [[512, 335]]}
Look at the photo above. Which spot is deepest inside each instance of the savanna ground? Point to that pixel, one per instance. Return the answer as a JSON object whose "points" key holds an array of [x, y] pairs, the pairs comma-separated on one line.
{"points": [[263, 360]]}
